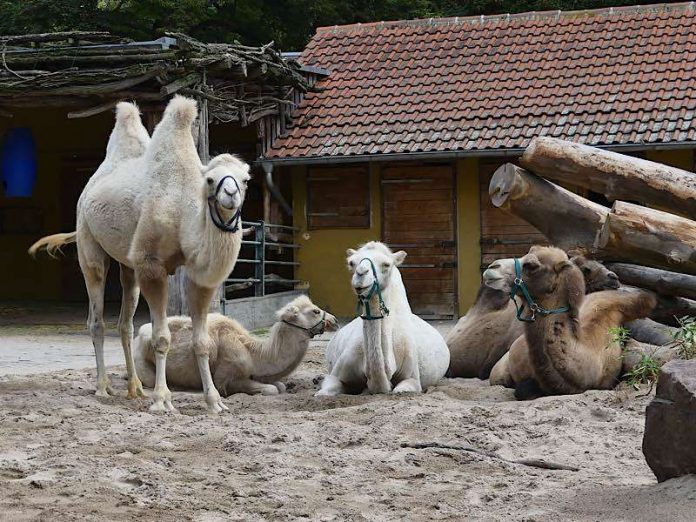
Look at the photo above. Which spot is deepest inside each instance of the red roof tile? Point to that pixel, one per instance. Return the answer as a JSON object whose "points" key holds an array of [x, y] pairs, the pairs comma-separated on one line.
{"points": [[603, 77]]}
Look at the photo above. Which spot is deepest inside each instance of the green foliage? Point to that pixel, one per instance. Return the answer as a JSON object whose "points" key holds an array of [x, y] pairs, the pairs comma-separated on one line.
{"points": [[619, 335], [685, 337], [646, 371], [290, 23]]}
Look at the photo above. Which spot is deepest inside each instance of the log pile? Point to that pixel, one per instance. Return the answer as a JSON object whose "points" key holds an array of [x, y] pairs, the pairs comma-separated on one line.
{"points": [[648, 236], [92, 71]]}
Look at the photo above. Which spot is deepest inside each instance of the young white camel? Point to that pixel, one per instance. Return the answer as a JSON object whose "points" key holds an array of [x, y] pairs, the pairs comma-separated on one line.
{"points": [[153, 212], [239, 362], [388, 348]]}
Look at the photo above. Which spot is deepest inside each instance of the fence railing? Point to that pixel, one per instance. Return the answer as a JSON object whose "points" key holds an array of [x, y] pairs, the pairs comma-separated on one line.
{"points": [[258, 230]]}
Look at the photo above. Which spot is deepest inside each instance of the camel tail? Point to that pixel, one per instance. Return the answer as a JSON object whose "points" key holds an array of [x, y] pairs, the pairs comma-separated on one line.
{"points": [[53, 244]]}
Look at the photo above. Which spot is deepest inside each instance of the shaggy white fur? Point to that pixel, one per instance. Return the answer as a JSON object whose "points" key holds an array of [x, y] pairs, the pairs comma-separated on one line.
{"points": [[400, 352]]}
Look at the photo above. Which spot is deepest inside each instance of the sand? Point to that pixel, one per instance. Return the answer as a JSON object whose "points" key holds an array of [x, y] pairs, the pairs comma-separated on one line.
{"points": [[67, 455]]}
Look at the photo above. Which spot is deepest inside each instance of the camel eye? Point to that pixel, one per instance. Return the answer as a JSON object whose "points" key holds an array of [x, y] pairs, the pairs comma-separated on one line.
{"points": [[386, 266], [316, 312], [351, 264], [209, 180], [530, 267], [586, 270]]}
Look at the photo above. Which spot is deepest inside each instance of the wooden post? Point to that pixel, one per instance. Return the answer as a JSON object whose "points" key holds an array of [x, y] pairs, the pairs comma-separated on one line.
{"points": [[615, 175]]}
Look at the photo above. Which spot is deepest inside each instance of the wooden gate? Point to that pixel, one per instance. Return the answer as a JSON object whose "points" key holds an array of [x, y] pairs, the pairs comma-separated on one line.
{"points": [[418, 205]]}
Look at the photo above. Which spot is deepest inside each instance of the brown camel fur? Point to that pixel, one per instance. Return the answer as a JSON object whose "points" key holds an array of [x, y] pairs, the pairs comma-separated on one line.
{"points": [[572, 351], [486, 332]]}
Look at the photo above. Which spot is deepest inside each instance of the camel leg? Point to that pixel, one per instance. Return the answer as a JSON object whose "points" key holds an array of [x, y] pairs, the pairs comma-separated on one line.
{"points": [[199, 301], [129, 302], [331, 386], [251, 387], [154, 290], [408, 385], [280, 386], [94, 263], [411, 373]]}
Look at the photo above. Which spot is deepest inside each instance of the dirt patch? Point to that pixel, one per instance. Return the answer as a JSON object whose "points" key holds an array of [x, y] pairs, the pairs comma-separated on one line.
{"points": [[66, 455]]}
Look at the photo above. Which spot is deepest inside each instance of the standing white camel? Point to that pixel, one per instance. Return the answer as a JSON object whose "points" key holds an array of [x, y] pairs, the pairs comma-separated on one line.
{"points": [[388, 348], [153, 212]]}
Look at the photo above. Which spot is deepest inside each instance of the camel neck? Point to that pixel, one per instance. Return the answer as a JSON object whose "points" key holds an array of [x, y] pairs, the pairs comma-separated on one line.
{"points": [[281, 352]]}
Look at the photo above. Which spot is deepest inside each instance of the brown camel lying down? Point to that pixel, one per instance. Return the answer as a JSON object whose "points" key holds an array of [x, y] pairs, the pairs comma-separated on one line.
{"points": [[486, 332], [239, 361], [569, 351]]}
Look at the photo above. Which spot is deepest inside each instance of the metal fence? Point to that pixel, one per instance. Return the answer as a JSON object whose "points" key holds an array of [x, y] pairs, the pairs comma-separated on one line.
{"points": [[259, 245]]}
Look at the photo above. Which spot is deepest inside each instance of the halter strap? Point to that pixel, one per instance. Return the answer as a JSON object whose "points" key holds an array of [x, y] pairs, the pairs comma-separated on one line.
{"points": [[314, 330], [364, 301], [519, 285], [214, 207]]}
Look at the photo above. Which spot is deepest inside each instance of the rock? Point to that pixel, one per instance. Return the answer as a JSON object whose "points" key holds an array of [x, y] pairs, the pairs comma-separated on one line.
{"points": [[669, 442]]}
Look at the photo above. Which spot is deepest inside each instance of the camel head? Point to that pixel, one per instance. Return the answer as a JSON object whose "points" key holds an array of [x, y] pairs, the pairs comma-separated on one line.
{"points": [[302, 313], [544, 270], [597, 276], [361, 263], [226, 180]]}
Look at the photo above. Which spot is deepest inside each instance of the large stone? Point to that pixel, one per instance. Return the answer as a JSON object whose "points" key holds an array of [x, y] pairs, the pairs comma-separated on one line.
{"points": [[669, 442]]}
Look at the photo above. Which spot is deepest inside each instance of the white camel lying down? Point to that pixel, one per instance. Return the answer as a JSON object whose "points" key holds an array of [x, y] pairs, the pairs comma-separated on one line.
{"points": [[239, 362]]}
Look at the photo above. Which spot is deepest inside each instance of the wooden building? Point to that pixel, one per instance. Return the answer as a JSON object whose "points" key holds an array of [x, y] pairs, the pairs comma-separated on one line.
{"points": [[63, 87], [399, 142]]}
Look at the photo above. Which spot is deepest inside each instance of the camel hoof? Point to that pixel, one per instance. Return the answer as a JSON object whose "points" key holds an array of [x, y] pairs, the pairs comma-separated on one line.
{"points": [[103, 393], [270, 390], [162, 407], [214, 402], [135, 390]]}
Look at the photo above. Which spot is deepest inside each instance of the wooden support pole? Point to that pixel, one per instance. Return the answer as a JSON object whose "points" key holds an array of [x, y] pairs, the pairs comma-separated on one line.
{"points": [[617, 176]]}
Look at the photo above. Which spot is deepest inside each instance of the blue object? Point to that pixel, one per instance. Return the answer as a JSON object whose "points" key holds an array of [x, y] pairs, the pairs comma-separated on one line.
{"points": [[19, 164]]}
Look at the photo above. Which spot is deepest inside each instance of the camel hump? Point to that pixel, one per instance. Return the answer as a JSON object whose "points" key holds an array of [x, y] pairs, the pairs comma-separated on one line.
{"points": [[181, 111], [127, 112]]}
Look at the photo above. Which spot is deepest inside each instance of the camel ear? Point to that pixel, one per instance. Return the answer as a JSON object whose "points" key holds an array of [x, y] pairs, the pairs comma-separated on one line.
{"points": [[350, 252], [289, 313], [399, 257], [562, 265]]}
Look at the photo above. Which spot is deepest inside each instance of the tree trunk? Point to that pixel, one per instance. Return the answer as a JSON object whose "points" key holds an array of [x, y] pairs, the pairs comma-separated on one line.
{"points": [[615, 175], [668, 308], [649, 237], [566, 219], [660, 281]]}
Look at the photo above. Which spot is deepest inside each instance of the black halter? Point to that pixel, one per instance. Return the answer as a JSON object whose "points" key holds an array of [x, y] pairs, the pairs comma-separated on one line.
{"points": [[213, 206], [317, 329]]}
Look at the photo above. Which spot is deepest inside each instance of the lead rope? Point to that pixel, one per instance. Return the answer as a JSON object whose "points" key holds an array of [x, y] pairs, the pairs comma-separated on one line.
{"points": [[519, 285], [364, 301], [213, 207]]}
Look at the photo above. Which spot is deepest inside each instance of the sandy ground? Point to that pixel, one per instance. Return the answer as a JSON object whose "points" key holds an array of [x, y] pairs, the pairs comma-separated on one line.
{"points": [[67, 455]]}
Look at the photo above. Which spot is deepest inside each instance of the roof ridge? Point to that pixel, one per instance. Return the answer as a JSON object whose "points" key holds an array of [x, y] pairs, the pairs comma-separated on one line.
{"points": [[530, 15]]}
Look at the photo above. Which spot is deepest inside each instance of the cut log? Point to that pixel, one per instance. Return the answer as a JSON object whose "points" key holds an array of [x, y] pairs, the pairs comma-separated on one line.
{"points": [[660, 281], [649, 237], [668, 308], [566, 219], [615, 175]]}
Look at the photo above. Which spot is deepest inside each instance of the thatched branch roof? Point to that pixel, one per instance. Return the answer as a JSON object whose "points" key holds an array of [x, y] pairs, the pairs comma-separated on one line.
{"points": [[92, 71]]}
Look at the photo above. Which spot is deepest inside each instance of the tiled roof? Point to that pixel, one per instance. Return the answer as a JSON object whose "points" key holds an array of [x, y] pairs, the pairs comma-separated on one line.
{"points": [[602, 77]]}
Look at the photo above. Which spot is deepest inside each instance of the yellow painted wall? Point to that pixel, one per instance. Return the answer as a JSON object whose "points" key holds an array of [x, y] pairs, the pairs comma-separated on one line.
{"points": [[322, 253], [56, 138], [680, 158], [468, 233]]}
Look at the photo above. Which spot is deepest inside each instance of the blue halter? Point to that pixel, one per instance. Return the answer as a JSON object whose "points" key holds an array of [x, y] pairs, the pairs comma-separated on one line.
{"points": [[520, 286], [364, 301]]}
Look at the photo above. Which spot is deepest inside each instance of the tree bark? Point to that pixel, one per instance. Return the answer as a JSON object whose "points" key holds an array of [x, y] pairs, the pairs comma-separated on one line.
{"points": [[660, 281], [615, 175], [670, 307], [649, 237], [566, 219]]}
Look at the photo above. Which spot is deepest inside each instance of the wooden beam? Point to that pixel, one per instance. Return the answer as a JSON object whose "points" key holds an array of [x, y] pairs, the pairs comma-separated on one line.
{"points": [[615, 175], [86, 113]]}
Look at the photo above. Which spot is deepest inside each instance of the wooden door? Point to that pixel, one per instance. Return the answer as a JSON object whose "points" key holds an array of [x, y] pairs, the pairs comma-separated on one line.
{"points": [[418, 205]]}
